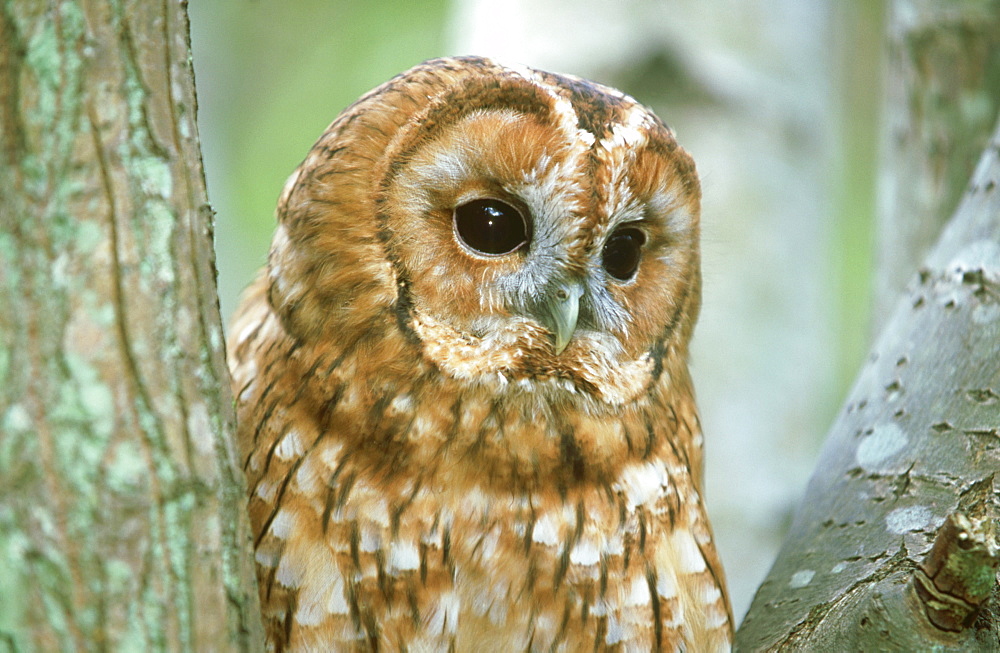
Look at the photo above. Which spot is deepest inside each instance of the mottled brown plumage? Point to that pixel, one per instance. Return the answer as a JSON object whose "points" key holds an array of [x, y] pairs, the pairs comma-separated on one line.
{"points": [[454, 449]]}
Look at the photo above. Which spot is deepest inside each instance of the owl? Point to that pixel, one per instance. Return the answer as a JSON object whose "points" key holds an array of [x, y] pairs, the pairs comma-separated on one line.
{"points": [[465, 413]]}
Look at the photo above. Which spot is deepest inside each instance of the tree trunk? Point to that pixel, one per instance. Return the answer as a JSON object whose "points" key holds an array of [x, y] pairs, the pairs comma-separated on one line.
{"points": [[942, 97], [122, 512], [895, 545]]}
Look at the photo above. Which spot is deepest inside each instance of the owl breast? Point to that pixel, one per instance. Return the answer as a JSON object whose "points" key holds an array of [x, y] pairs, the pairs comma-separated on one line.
{"points": [[464, 406]]}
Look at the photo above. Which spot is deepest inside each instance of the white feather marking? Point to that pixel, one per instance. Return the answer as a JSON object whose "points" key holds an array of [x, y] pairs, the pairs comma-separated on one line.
{"points": [[481, 602], [545, 626], [401, 404], [564, 109], [501, 601], [689, 558], [584, 553], [615, 632], [349, 632], [371, 540], [321, 591], [249, 390], [614, 545], [286, 190], [451, 165], [630, 134], [266, 491], [638, 593], [310, 610], [488, 545], [677, 616], [378, 510], [336, 603], [246, 331], [289, 573], [710, 594], [266, 557], [641, 483], [432, 538], [307, 479], [627, 135], [283, 524], [329, 453], [403, 556], [532, 177], [716, 617], [290, 446], [663, 203], [542, 186], [444, 615], [421, 426], [666, 585], [545, 532]]}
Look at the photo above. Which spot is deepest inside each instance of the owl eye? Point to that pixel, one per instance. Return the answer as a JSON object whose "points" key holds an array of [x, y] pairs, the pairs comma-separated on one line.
{"points": [[622, 252], [490, 226]]}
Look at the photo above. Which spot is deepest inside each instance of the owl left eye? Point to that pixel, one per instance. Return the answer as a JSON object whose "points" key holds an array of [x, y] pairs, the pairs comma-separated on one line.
{"points": [[622, 252], [490, 226]]}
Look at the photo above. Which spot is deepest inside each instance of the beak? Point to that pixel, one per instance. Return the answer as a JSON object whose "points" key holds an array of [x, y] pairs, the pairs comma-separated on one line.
{"points": [[560, 311]]}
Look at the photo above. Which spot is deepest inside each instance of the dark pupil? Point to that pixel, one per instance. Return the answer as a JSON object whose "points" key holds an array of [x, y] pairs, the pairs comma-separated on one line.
{"points": [[490, 226], [621, 253]]}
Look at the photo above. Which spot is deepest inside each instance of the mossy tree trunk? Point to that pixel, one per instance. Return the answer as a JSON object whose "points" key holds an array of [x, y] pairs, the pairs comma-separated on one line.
{"points": [[122, 520], [895, 544]]}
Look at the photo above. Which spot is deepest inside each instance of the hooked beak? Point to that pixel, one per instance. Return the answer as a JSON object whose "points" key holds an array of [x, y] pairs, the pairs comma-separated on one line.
{"points": [[560, 311]]}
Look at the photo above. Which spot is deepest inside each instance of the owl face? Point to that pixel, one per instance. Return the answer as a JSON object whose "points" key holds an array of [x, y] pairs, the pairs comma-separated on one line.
{"points": [[535, 227]]}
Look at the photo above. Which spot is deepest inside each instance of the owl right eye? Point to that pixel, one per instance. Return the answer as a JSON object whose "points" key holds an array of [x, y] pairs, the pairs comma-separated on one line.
{"points": [[622, 252], [490, 226]]}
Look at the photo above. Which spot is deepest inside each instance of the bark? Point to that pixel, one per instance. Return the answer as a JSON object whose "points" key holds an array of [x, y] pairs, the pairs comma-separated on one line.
{"points": [[122, 518], [895, 544], [918, 441], [942, 97]]}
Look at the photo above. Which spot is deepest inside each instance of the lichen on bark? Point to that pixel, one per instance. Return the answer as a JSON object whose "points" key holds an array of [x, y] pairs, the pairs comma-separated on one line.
{"points": [[123, 523]]}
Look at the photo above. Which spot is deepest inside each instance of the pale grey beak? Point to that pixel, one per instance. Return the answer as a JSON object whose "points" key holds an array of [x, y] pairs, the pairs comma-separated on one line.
{"points": [[561, 310]]}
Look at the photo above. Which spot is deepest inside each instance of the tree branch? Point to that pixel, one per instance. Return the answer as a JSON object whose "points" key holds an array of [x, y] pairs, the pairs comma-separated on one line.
{"points": [[918, 443]]}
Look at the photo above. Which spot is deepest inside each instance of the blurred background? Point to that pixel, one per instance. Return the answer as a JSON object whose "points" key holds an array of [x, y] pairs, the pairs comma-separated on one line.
{"points": [[776, 101]]}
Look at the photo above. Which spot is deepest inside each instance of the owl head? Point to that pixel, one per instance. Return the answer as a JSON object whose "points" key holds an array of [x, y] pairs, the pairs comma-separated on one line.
{"points": [[516, 227]]}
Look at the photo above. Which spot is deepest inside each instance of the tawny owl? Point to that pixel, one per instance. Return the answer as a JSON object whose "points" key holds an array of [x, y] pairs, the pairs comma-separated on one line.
{"points": [[462, 384]]}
